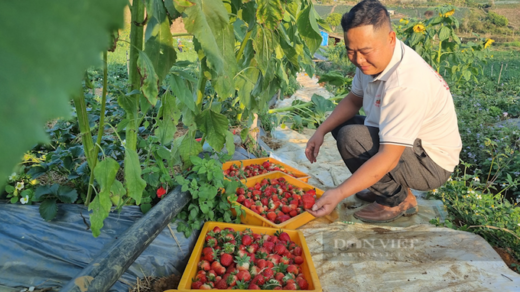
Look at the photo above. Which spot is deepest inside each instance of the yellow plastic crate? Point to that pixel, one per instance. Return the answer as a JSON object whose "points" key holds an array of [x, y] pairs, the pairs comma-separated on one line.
{"points": [[252, 218], [308, 269], [299, 174]]}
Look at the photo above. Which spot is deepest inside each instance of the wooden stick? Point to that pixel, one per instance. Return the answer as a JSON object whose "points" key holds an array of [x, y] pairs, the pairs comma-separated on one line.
{"points": [[500, 74], [174, 237]]}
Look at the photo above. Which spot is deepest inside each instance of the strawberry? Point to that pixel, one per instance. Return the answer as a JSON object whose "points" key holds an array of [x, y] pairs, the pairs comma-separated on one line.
{"points": [[261, 263], [244, 276], [258, 280], [218, 268], [201, 278], [284, 260], [216, 229], [255, 270], [302, 283], [241, 198], [283, 236], [231, 280], [268, 246], [211, 275], [286, 209], [221, 284], [298, 260], [271, 216], [208, 254], [241, 191], [268, 273], [196, 285], [253, 287], [279, 276], [204, 265], [247, 240], [205, 287], [280, 249], [290, 286], [274, 258], [308, 201], [293, 269], [297, 251], [293, 213]]}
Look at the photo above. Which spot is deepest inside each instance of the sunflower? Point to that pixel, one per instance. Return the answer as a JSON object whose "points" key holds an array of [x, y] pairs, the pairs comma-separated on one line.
{"points": [[419, 28], [449, 13], [405, 21], [488, 43]]}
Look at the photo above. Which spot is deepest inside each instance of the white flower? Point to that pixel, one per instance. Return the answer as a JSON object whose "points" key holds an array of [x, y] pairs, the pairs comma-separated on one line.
{"points": [[479, 197], [476, 179], [450, 179], [123, 143], [434, 191], [12, 176], [19, 185], [503, 185], [24, 200]]}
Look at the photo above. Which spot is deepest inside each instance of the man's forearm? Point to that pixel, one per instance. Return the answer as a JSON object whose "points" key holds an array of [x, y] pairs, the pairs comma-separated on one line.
{"points": [[345, 110]]}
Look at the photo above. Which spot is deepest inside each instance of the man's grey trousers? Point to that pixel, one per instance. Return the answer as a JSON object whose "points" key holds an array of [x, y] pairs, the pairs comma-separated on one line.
{"points": [[358, 143]]}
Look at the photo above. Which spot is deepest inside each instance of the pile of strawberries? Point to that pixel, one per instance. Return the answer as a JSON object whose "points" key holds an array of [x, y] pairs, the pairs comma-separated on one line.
{"points": [[255, 169], [276, 199], [245, 260]]}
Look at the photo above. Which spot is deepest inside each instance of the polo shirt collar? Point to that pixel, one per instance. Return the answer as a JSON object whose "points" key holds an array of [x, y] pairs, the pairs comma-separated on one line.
{"points": [[394, 63]]}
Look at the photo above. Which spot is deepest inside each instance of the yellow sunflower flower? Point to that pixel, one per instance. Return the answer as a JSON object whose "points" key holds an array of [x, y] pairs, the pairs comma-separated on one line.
{"points": [[419, 28], [488, 43], [449, 13]]}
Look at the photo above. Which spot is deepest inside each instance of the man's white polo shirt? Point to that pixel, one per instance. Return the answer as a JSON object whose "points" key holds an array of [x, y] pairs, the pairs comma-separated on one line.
{"points": [[410, 100]]}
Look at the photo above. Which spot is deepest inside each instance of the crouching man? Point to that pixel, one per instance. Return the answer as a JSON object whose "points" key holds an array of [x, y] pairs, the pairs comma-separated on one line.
{"points": [[409, 137]]}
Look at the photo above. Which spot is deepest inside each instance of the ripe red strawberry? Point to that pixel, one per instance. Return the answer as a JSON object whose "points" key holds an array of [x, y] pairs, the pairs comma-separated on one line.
{"points": [[258, 280], [298, 260], [284, 260], [221, 284], [230, 279], [302, 283], [279, 276], [253, 287], [286, 209], [196, 285], [202, 278], [293, 269], [204, 265], [274, 258], [208, 254], [268, 273], [283, 236], [255, 270], [297, 251], [293, 213], [216, 229], [218, 268], [280, 249], [268, 246], [247, 240], [241, 191], [241, 198], [248, 203], [308, 201], [290, 286], [261, 263], [271, 216], [244, 276]]}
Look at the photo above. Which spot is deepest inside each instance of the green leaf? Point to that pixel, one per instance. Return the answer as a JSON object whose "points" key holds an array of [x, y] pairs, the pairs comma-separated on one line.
{"points": [[204, 19], [9, 189], [159, 41], [308, 28], [105, 174], [245, 83], [41, 191], [334, 78], [215, 126], [230, 143], [189, 147], [167, 127], [117, 188], [149, 79], [14, 200], [196, 160], [181, 91], [38, 81], [134, 183], [67, 194], [269, 13], [444, 33], [145, 208], [322, 105], [181, 5], [262, 44], [224, 83], [48, 209]]}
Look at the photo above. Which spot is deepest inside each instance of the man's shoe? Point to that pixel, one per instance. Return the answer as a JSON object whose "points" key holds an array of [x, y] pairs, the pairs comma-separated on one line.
{"points": [[367, 196], [376, 213]]}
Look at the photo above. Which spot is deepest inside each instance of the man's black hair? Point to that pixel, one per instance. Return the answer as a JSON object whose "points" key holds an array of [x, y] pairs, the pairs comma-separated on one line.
{"points": [[366, 12]]}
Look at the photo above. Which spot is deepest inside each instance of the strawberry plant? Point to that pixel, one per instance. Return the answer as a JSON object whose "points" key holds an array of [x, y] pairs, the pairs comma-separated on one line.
{"points": [[276, 199], [246, 260]]}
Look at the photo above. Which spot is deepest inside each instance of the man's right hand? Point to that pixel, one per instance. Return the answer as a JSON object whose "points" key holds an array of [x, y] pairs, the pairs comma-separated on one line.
{"points": [[313, 146]]}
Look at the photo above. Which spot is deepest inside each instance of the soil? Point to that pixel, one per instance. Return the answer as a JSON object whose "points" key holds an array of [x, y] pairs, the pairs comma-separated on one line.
{"points": [[509, 259], [180, 131], [156, 284], [272, 143]]}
